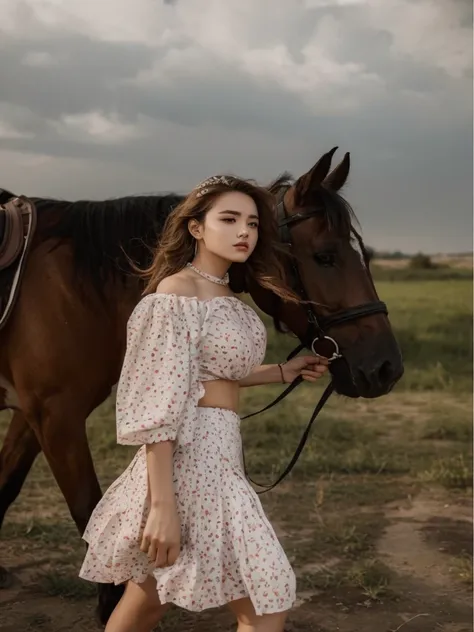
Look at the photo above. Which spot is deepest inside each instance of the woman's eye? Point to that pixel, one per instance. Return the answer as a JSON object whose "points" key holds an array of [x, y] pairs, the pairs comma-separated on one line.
{"points": [[228, 219], [253, 224], [325, 259]]}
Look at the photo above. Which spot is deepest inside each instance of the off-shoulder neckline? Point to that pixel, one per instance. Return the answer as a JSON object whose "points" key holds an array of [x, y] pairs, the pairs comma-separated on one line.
{"points": [[197, 299]]}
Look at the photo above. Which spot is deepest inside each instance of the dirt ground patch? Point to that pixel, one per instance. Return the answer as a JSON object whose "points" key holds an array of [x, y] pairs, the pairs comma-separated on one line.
{"points": [[405, 575]]}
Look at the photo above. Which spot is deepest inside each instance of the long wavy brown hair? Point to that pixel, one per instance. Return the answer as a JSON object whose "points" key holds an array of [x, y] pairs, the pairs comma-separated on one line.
{"points": [[176, 245]]}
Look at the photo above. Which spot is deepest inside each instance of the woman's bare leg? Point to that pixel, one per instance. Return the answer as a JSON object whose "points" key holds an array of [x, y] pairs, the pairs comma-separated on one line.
{"points": [[139, 609], [250, 622]]}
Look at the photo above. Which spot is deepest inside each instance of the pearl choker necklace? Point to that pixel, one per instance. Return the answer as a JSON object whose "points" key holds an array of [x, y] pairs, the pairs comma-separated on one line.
{"points": [[220, 281]]}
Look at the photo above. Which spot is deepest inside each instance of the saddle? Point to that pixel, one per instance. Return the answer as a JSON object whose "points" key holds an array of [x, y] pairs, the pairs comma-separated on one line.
{"points": [[17, 228], [17, 222]]}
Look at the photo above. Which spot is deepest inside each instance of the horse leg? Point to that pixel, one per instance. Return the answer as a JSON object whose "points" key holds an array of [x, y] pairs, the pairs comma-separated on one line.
{"points": [[66, 449], [19, 451]]}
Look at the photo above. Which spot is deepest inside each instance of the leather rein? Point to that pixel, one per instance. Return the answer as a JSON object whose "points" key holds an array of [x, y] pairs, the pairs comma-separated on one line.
{"points": [[316, 331]]}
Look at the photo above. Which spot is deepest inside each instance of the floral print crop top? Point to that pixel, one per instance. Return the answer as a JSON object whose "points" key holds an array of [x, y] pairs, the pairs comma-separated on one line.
{"points": [[174, 344]]}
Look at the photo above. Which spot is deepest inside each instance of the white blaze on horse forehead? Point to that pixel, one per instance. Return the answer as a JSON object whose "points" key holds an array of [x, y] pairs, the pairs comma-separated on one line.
{"points": [[10, 396]]}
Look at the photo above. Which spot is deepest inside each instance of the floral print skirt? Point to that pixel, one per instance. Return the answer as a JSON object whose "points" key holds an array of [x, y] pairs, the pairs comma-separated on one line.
{"points": [[229, 550]]}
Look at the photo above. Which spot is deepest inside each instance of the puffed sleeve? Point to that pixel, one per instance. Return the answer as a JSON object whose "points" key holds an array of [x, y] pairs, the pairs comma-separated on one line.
{"points": [[159, 389]]}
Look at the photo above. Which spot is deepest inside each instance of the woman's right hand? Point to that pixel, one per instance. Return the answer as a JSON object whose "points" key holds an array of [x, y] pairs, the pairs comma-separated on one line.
{"points": [[162, 535]]}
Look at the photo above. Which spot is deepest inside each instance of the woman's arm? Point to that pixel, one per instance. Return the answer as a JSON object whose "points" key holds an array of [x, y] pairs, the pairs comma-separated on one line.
{"points": [[162, 534], [159, 459], [310, 368], [263, 374], [160, 424]]}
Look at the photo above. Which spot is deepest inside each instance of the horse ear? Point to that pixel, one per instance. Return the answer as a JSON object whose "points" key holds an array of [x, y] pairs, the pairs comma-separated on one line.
{"points": [[338, 176], [315, 176]]}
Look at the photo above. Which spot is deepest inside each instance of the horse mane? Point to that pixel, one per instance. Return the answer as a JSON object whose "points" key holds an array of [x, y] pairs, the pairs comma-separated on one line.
{"points": [[106, 235], [285, 179]]}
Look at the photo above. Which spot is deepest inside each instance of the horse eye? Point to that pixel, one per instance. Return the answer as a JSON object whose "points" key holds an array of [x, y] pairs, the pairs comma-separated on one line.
{"points": [[325, 259]]}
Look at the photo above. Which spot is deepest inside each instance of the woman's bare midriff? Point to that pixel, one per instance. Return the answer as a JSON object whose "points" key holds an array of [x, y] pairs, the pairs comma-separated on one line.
{"points": [[220, 394]]}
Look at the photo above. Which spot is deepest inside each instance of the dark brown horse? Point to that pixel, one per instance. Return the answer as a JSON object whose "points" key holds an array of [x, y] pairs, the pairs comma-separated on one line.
{"points": [[62, 348]]}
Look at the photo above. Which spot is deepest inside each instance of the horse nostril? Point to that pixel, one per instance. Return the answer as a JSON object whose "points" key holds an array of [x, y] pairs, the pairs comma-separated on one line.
{"points": [[385, 372]]}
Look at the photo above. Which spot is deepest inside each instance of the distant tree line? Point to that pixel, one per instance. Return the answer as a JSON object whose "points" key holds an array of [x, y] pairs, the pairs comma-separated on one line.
{"points": [[419, 261], [381, 254]]}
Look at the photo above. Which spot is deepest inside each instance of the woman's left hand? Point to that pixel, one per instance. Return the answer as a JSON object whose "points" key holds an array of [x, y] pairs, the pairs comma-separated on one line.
{"points": [[311, 368]]}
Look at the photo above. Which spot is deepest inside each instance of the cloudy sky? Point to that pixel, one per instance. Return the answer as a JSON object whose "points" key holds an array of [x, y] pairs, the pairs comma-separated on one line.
{"points": [[111, 97]]}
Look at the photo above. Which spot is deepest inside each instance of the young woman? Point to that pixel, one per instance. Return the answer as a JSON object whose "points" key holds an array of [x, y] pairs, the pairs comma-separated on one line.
{"points": [[182, 524]]}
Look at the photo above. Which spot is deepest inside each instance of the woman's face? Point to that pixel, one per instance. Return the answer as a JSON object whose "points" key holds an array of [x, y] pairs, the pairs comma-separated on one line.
{"points": [[230, 228]]}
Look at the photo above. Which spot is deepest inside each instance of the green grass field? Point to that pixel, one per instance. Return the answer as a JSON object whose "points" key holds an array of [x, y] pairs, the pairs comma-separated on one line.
{"points": [[376, 517]]}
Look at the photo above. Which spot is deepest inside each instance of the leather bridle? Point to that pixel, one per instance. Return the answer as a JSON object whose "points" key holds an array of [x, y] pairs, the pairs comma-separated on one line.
{"points": [[317, 326]]}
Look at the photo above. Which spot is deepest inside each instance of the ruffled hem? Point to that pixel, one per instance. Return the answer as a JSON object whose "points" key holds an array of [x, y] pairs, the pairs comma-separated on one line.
{"points": [[181, 601], [177, 598]]}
